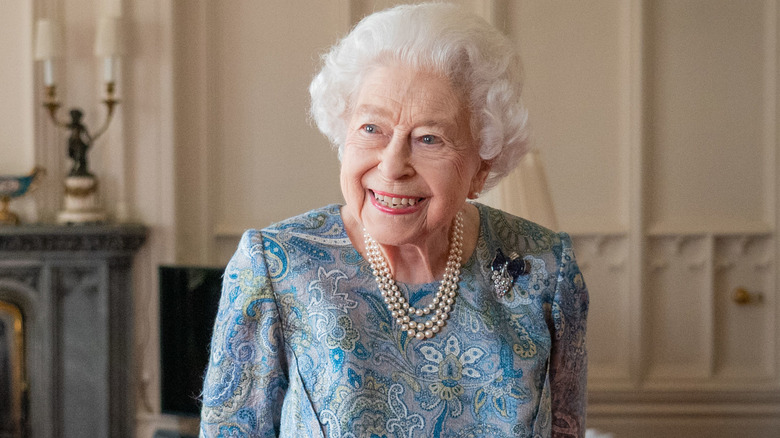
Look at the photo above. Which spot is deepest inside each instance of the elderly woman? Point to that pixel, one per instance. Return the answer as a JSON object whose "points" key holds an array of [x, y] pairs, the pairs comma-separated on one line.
{"points": [[409, 311]]}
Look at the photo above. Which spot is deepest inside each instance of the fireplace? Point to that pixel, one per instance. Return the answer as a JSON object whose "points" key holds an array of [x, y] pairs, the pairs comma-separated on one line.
{"points": [[65, 338]]}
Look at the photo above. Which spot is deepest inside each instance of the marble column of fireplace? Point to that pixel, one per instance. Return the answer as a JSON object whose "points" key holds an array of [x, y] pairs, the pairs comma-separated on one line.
{"points": [[73, 286]]}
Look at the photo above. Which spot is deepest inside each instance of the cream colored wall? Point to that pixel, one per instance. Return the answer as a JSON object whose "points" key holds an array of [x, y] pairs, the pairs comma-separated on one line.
{"points": [[16, 92], [657, 122], [576, 59], [245, 86]]}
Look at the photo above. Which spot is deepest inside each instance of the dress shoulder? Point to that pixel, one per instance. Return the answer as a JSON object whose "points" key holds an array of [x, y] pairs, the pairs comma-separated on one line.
{"points": [[519, 233], [311, 219], [324, 221]]}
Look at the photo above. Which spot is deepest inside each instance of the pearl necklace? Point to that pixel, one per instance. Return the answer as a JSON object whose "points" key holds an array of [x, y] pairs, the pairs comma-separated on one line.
{"points": [[442, 303]]}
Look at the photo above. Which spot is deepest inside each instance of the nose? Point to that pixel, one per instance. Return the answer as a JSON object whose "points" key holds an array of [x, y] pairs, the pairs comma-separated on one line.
{"points": [[395, 158]]}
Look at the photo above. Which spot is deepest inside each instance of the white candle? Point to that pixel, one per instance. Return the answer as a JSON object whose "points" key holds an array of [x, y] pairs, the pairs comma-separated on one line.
{"points": [[47, 47], [108, 69], [107, 45], [48, 72]]}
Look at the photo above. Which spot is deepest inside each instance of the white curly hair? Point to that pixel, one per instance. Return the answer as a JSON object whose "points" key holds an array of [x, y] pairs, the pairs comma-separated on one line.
{"points": [[437, 37]]}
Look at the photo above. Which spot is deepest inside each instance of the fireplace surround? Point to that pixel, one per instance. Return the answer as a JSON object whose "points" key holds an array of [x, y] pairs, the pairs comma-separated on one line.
{"points": [[72, 288]]}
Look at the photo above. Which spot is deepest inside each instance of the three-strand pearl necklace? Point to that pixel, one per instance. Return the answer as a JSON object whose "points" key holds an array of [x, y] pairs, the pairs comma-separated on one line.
{"points": [[442, 303]]}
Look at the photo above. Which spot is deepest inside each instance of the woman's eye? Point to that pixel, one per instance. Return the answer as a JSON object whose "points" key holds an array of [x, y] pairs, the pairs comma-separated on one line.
{"points": [[370, 129], [429, 139]]}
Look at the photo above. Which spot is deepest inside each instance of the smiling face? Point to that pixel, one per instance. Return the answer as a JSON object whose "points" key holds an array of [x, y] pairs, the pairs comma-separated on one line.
{"points": [[409, 158]]}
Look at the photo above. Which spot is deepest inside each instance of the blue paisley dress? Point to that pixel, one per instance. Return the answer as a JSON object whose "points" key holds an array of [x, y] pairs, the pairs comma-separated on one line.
{"points": [[303, 345]]}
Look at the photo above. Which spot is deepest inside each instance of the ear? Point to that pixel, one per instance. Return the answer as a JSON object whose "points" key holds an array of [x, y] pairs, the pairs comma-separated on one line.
{"points": [[479, 179]]}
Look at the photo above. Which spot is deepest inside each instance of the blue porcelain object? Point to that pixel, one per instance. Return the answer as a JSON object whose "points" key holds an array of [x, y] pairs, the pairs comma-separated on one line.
{"points": [[14, 187]]}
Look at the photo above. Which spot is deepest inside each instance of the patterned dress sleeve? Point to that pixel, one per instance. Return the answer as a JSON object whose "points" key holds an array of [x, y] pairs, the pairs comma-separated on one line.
{"points": [[246, 377], [568, 361]]}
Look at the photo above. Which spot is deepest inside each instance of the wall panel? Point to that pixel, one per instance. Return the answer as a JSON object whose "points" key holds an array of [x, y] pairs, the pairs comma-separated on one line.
{"points": [[576, 91], [706, 103], [744, 262], [269, 161], [16, 89], [678, 309], [604, 263]]}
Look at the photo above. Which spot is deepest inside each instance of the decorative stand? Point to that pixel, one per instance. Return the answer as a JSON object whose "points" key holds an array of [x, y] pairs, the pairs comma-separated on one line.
{"points": [[81, 187], [81, 200]]}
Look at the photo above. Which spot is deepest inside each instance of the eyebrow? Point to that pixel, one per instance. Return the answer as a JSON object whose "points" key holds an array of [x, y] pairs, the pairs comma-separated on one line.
{"points": [[378, 111], [372, 110]]}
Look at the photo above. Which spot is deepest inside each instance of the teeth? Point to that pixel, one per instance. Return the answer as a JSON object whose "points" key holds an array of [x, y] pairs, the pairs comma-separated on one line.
{"points": [[389, 201]]}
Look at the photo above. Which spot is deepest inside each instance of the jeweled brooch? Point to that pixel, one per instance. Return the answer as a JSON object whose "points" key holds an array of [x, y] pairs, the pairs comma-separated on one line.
{"points": [[506, 270]]}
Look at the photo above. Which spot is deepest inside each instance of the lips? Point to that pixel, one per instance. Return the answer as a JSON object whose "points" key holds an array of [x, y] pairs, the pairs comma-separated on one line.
{"points": [[394, 201]]}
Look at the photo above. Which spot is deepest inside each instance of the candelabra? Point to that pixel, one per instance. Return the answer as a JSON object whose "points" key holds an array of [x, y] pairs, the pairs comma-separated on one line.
{"points": [[81, 203]]}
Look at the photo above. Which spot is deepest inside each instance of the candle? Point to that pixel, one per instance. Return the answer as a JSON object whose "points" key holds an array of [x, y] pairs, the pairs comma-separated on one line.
{"points": [[47, 47], [108, 69], [48, 72], [107, 45]]}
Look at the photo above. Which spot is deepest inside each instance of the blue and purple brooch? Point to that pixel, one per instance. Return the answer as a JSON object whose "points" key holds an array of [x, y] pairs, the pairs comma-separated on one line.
{"points": [[506, 270]]}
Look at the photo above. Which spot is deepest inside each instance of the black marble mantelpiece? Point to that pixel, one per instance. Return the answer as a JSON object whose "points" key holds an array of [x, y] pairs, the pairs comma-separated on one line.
{"points": [[54, 238], [73, 286]]}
